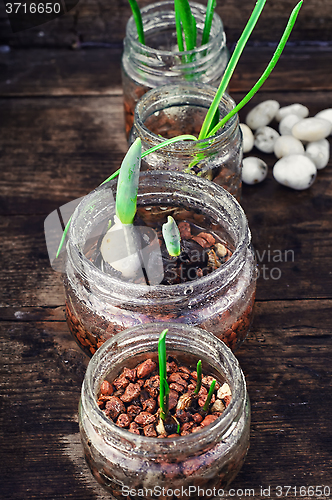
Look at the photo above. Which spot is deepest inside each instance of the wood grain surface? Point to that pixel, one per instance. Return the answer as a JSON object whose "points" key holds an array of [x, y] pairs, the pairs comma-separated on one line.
{"points": [[100, 22], [61, 135]]}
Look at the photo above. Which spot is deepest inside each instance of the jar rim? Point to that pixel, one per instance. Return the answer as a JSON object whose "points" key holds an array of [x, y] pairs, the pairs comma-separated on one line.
{"points": [[183, 93], [217, 25], [231, 267], [141, 335]]}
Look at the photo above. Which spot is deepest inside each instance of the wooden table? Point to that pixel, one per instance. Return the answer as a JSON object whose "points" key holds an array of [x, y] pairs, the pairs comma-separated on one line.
{"points": [[62, 134]]}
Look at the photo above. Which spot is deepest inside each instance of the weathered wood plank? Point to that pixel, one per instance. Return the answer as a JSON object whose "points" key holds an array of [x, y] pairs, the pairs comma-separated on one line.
{"points": [[299, 68], [56, 150], [32, 314], [41, 377], [92, 71], [287, 364], [40, 72], [100, 22]]}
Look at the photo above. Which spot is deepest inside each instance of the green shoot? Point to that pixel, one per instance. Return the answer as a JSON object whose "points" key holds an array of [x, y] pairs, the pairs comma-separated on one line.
{"points": [[138, 20], [188, 22], [126, 194], [186, 137], [209, 396], [164, 389], [266, 73], [199, 377], [172, 238], [231, 67], [178, 30], [185, 23], [63, 237], [172, 140], [211, 5]]}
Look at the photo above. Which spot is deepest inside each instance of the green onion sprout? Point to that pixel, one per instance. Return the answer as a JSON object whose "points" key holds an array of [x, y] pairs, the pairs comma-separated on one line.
{"points": [[179, 35], [211, 5], [126, 194], [172, 140], [172, 238], [185, 23], [266, 73], [209, 396], [164, 388], [188, 23], [138, 20], [199, 377], [231, 67]]}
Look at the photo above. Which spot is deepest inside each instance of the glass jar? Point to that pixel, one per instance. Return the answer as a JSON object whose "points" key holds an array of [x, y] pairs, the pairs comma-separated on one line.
{"points": [[159, 61], [99, 305], [169, 111], [208, 459]]}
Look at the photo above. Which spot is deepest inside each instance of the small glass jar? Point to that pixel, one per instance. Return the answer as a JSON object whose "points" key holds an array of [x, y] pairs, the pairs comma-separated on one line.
{"points": [[159, 61], [169, 111], [130, 465], [99, 305]]}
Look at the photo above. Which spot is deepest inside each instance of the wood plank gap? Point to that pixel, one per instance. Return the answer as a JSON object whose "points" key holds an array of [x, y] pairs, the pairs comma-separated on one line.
{"points": [[56, 313]]}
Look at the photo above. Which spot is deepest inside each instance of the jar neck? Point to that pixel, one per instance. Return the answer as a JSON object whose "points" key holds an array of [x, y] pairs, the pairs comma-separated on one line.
{"points": [[133, 343], [182, 100], [149, 64], [158, 188]]}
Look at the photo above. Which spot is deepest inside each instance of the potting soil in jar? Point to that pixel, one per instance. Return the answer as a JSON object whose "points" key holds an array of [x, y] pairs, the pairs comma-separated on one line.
{"points": [[204, 249], [131, 401]]}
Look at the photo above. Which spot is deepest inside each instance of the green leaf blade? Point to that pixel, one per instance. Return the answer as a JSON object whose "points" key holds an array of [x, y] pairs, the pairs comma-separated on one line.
{"points": [[211, 5], [209, 396], [126, 194], [266, 73], [138, 20], [178, 27], [164, 388], [172, 238], [206, 127], [199, 377], [183, 11]]}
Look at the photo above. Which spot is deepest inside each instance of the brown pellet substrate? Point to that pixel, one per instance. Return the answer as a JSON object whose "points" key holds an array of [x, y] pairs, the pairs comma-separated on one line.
{"points": [[131, 401]]}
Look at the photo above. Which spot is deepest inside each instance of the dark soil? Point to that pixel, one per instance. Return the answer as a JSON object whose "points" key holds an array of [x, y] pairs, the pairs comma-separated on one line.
{"points": [[202, 250]]}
